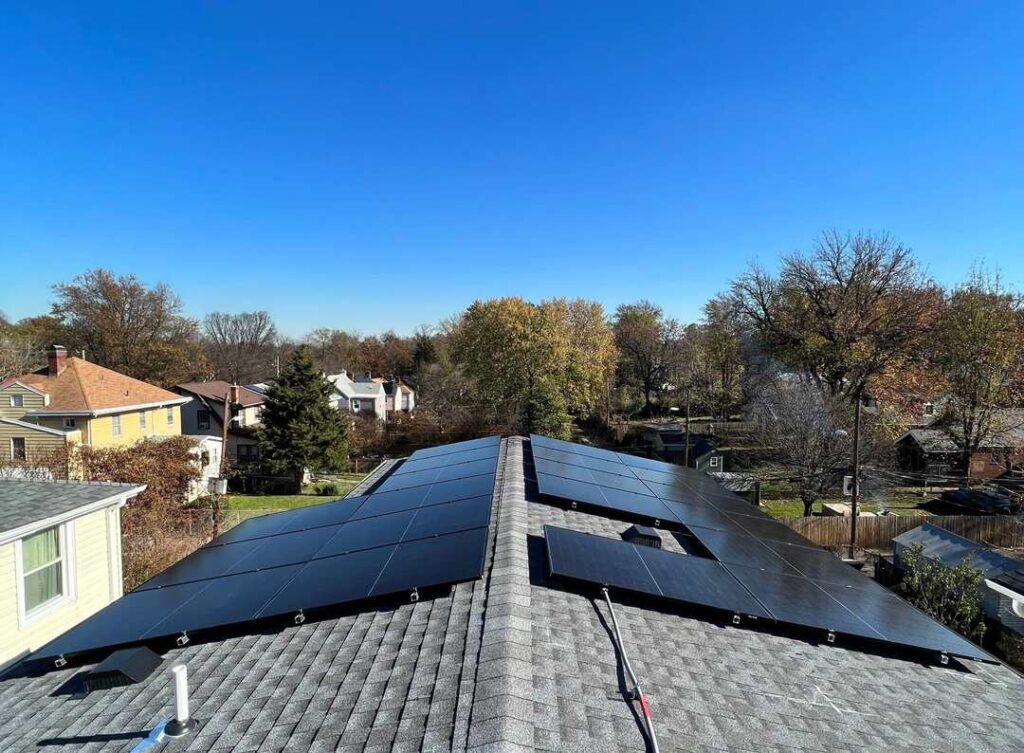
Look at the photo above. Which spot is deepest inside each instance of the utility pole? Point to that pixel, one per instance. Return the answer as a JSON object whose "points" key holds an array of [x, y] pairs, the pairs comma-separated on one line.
{"points": [[856, 476], [686, 456]]}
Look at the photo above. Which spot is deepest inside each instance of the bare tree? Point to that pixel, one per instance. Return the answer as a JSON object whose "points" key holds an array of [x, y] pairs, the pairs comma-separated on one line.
{"points": [[240, 347], [650, 346], [805, 427]]}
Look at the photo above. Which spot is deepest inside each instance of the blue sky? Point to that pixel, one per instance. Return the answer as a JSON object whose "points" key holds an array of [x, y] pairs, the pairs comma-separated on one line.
{"points": [[381, 167]]}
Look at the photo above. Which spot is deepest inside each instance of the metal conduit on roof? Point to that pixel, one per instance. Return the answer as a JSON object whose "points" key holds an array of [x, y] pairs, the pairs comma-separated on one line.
{"points": [[637, 692]]}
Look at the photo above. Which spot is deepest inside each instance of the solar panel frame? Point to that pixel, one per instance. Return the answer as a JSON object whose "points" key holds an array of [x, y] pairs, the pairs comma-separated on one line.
{"points": [[447, 449], [413, 464], [596, 559]]}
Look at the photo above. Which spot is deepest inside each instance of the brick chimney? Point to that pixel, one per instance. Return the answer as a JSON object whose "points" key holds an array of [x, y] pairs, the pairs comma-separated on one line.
{"points": [[234, 394], [56, 360]]}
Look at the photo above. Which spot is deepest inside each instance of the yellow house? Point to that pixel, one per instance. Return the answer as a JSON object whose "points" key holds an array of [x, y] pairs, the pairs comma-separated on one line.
{"points": [[72, 400], [60, 557]]}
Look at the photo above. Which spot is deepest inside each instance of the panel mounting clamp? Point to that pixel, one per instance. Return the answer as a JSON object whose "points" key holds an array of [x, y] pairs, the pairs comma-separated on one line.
{"points": [[299, 617], [736, 619], [414, 595], [60, 661], [182, 640], [831, 637]]}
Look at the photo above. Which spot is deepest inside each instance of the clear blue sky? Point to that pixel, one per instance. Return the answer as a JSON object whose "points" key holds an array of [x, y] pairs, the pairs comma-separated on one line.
{"points": [[379, 168]]}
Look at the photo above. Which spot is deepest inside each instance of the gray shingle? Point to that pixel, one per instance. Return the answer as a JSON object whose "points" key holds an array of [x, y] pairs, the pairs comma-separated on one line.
{"points": [[509, 663]]}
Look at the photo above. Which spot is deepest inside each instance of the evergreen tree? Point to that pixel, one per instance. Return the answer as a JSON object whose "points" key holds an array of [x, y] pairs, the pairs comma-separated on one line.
{"points": [[300, 429]]}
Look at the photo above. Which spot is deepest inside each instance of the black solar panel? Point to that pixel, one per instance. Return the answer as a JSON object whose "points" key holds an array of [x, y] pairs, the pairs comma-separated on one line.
{"points": [[788, 577], [447, 449], [656, 572], [454, 458], [385, 543]]}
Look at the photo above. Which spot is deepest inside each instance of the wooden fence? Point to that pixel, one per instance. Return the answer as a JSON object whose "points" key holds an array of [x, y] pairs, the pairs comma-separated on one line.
{"points": [[878, 533]]}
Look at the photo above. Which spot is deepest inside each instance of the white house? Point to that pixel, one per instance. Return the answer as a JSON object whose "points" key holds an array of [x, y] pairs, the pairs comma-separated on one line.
{"points": [[362, 398]]}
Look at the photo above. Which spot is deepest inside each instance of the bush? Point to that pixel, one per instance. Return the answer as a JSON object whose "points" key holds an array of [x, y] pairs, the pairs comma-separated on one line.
{"points": [[330, 489], [952, 595], [1011, 648]]}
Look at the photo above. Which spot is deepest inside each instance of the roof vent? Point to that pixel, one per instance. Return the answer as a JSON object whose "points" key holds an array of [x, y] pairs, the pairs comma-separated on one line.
{"points": [[642, 536], [125, 667]]}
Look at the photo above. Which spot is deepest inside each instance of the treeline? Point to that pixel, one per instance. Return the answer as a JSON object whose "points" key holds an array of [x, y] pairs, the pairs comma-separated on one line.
{"points": [[853, 317]]}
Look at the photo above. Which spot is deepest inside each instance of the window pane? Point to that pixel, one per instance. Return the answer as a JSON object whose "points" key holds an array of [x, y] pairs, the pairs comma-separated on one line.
{"points": [[40, 549], [41, 586]]}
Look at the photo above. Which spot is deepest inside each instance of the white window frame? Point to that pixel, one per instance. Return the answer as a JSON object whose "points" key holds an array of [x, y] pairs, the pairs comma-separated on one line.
{"points": [[170, 415], [143, 421], [355, 405], [17, 401], [115, 425], [66, 542], [24, 446], [69, 423], [714, 461]]}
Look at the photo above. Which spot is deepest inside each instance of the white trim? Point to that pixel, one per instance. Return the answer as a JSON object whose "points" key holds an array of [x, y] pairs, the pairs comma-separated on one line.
{"points": [[37, 427], [109, 411], [23, 386], [120, 499], [66, 544], [1016, 599], [24, 449], [114, 554]]}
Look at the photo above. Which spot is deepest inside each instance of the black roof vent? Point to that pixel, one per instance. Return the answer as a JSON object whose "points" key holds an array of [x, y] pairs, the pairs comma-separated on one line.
{"points": [[125, 667], [642, 536]]}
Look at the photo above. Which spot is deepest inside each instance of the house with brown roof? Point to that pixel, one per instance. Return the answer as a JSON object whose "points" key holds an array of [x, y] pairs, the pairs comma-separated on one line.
{"points": [[72, 400], [203, 416]]}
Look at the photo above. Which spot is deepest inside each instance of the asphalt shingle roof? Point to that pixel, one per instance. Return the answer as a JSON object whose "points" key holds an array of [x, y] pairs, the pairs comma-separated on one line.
{"points": [[27, 501], [514, 662]]}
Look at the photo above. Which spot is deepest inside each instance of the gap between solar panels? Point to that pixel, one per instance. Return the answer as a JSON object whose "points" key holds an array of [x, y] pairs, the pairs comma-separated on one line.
{"points": [[419, 533]]}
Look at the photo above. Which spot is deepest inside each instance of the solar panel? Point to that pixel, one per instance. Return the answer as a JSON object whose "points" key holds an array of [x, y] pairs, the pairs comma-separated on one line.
{"points": [[741, 549], [442, 473], [454, 458], [447, 449], [768, 529], [376, 545], [642, 569], [650, 508], [595, 559], [796, 600], [582, 461], [704, 516], [591, 476], [899, 622], [571, 447], [818, 564]]}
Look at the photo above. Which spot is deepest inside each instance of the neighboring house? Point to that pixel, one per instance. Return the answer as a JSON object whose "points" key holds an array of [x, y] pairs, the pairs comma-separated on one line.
{"points": [[669, 443], [207, 453], [933, 450], [60, 557], [203, 416], [509, 657], [947, 548], [361, 398], [72, 400]]}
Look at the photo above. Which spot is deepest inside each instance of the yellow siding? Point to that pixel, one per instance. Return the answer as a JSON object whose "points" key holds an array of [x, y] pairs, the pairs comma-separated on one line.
{"points": [[31, 400], [92, 582], [100, 431]]}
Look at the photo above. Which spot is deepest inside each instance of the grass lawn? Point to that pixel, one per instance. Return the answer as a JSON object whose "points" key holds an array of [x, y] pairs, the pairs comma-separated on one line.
{"points": [[794, 508], [344, 482]]}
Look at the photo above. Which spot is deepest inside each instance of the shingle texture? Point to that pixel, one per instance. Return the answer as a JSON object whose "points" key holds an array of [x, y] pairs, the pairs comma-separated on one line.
{"points": [[25, 501], [513, 662], [86, 386]]}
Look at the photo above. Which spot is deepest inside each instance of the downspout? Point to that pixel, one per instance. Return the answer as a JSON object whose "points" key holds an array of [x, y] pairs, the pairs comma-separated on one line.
{"points": [[636, 693]]}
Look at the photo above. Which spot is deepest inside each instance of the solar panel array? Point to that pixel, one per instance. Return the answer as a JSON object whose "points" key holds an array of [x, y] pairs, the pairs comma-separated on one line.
{"points": [[425, 525], [761, 568]]}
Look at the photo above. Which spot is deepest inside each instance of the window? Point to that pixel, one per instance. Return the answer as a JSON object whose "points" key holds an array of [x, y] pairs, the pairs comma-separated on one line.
{"points": [[142, 420], [170, 416], [714, 461], [203, 417], [115, 425], [43, 571], [928, 409], [247, 453], [69, 423], [17, 401], [18, 451], [355, 405]]}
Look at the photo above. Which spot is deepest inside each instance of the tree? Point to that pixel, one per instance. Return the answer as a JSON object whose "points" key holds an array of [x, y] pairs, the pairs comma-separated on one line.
{"points": [[713, 357], [805, 427], [650, 347], [334, 350], [979, 351], [512, 348], [448, 394], [842, 313], [300, 430], [240, 347], [20, 350], [590, 367], [952, 595], [124, 325], [544, 410]]}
